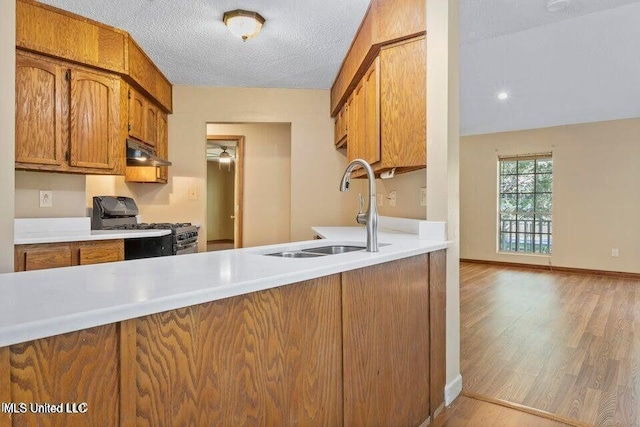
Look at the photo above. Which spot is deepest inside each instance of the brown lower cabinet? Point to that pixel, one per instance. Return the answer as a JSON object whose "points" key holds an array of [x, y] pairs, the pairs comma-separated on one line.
{"points": [[352, 349], [54, 255]]}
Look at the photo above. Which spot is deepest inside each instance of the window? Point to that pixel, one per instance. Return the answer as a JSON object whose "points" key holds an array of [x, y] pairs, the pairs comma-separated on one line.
{"points": [[525, 203]]}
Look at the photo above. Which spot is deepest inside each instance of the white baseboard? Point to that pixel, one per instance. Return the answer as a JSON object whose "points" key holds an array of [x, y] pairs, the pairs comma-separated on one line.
{"points": [[452, 390]]}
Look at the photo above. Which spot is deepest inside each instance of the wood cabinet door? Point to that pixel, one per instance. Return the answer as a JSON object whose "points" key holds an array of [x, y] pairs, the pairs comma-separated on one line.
{"points": [[385, 329], [371, 149], [341, 126], [41, 256], [137, 115], [337, 130], [94, 119], [100, 251], [403, 103], [152, 125], [38, 111], [356, 146], [351, 128], [162, 148], [269, 358]]}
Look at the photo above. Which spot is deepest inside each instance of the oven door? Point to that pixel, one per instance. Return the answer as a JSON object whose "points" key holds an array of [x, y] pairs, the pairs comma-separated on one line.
{"points": [[186, 248], [148, 247]]}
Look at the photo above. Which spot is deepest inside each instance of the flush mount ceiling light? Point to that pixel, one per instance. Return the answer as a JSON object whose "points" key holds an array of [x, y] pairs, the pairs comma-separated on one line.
{"points": [[243, 24], [502, 96], [557, 5]]}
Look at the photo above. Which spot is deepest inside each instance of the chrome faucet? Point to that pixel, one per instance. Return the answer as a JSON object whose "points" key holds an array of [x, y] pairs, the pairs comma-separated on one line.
{"points": [[370, 217]]}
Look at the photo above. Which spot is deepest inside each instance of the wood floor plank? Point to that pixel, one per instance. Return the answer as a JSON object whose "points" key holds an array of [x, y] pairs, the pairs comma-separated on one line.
{"points": [[562, 342], [468, 412]]}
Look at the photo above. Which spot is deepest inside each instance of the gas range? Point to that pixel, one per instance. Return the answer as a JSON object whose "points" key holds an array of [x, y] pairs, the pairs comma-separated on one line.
{"points": [[176, 228], [120, 213]]}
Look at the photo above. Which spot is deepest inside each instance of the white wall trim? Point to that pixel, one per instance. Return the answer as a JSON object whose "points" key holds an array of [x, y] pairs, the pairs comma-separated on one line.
{"points": [[452, 390]]}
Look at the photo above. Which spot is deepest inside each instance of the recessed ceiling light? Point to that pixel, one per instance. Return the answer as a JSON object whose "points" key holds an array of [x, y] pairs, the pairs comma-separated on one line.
{"points": [[503, 96], [557, 5]]}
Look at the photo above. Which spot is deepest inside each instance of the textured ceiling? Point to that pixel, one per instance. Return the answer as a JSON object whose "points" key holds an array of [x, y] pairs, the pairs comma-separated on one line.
{"points": [[578, 65], [301, 45]]}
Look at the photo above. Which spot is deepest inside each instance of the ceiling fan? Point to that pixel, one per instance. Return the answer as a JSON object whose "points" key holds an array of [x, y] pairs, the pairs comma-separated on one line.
{"points": [[220, 153]]}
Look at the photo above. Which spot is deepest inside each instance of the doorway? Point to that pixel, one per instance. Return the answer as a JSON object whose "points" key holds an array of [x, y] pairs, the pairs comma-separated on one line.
{"points": [[224, 191]]}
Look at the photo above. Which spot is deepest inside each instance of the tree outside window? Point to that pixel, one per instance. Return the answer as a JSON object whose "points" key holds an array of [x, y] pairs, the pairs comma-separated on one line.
{"points": [[525, 204]]}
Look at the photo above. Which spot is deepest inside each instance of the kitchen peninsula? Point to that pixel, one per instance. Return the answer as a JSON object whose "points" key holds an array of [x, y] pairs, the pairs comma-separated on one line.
{"points": [[189, 339]]}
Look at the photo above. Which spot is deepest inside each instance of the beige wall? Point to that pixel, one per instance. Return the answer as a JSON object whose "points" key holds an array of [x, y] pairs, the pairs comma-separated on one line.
{"points": [[68, 194], [443, 104], [596, 194], [267, 180], [219, 201], [7, 129], [316, 166], [407, 187]]}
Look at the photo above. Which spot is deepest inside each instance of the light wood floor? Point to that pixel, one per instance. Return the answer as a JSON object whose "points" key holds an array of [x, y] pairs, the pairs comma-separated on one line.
{"points": [[219, 245], [466, 412], [564, 343]]}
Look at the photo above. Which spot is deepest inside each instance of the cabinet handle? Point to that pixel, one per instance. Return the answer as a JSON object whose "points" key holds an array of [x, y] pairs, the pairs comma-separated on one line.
{"points": [[66, 156], [67, 75], [129, 128]]}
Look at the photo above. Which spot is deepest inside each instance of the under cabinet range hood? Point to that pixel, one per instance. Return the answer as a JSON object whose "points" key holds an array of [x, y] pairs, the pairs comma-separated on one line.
{"points": [[138, 155]]}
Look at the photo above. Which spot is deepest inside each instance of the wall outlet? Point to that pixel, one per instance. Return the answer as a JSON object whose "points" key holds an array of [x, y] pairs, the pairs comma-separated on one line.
{"points": [[380, 199], [392, 199], [46, 198], [423, 196], [615, 253], [193, 193]]}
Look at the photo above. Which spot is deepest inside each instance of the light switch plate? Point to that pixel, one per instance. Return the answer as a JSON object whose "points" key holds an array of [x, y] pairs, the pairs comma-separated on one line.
{"points": [[46, 198], [392, 199], [193, 193]]}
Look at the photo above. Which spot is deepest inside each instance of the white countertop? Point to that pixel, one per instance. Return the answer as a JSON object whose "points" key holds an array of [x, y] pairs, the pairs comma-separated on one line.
{"points": [[43, 303], [56, 230]]}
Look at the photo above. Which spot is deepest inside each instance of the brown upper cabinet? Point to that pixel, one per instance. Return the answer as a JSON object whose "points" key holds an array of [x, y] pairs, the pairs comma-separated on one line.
{"points": [[381, 89], [342, 126], [94, 119], [159, 128], [385, 22], [82, 89], [162, 148], [387, 110], [39, 116], [152, 124], [137, 115], [398, 19], [64, 35], [67, 117]]}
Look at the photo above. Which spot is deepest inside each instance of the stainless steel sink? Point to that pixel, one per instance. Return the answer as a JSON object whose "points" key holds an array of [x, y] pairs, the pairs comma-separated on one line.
{"points": [[295, 254], [332, 250], [316, 252]]}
